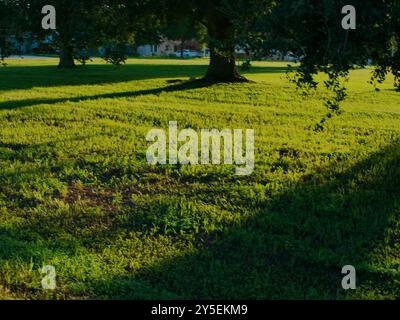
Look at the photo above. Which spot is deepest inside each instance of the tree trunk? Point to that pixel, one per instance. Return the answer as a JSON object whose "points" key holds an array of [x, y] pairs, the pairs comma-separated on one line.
{"points": [[66, 57], [222, 66]]}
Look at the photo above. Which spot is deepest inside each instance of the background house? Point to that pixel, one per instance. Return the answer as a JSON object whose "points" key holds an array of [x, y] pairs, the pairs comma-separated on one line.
{"points": [[164, 48], [168, 48]]}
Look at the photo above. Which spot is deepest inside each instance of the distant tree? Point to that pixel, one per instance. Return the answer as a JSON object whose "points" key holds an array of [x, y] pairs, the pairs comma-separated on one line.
{"points": [[90, 24], [77, 26], [10, 20]]}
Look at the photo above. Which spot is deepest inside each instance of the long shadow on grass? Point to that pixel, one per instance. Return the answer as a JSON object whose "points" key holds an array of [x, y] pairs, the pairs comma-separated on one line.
{"points": [[27, 77], [294, 247], [180, 86]]}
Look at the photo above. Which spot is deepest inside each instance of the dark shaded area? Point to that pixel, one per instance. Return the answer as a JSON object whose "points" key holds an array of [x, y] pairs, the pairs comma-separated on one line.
{"points": [[27, 77], [293, 248], [30, 77]]}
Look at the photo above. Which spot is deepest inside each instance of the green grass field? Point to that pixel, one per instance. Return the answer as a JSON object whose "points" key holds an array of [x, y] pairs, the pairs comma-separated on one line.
{"points": [[77, 193]]}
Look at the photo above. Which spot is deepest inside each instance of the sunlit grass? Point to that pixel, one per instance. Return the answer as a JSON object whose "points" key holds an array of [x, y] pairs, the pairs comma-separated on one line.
{"points": [[76, 191]]}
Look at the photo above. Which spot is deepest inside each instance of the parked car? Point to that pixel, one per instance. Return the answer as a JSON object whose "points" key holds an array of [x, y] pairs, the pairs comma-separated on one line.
{"points": [[189, 54]]}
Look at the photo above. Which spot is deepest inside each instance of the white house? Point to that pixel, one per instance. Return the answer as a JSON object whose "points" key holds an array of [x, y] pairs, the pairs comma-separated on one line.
{"points": [[165, 48], [170, 48]]}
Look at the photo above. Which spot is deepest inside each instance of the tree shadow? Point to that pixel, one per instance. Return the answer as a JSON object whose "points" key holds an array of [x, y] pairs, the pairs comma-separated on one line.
{"points": [[295, 245], [28, 77], [178, 86]]}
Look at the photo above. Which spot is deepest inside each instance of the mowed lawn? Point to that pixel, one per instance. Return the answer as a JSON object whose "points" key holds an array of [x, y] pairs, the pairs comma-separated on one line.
{"points": [[77, 193]]}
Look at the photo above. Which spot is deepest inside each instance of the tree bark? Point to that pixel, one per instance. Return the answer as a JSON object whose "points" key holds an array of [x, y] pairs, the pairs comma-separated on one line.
{"points": [[222, 66], [66, 57]]}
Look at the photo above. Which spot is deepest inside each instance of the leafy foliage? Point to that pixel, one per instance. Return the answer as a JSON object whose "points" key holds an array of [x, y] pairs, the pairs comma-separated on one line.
{"points": [[115, 54], [312, 31]]}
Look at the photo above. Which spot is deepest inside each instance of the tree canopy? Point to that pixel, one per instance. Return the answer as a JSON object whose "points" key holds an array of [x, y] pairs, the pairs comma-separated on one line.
{"points": [[226, 22], [313, 30]]}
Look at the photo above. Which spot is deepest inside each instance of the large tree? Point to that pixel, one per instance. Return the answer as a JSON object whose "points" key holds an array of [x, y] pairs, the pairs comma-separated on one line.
{"points": [[311, 29], [226, 22], [77, 25]]}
